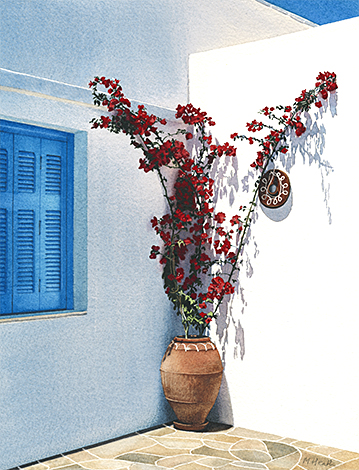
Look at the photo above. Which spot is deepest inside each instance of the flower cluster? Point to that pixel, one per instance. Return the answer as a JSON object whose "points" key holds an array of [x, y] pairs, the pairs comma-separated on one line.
{"points": [[191, 115], [195, 241], [289, 118]]}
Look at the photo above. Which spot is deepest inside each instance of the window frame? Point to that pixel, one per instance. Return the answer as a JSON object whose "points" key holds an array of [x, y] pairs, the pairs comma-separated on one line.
{"points": [[68, 138]]}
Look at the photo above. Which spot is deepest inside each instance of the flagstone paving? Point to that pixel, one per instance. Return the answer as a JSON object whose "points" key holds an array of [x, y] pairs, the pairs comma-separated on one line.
{"points": [[218, 447]]}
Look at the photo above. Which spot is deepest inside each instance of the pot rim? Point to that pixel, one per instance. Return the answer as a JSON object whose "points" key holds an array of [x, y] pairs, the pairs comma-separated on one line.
{"points": [[192, 339]]}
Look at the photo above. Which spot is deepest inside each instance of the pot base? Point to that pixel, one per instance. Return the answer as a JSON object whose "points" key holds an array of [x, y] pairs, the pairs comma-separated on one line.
{"points": [[190, 427]]}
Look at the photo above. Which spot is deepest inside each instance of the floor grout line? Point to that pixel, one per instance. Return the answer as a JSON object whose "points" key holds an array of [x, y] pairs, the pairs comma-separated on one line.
{"points": [[215, 448]]}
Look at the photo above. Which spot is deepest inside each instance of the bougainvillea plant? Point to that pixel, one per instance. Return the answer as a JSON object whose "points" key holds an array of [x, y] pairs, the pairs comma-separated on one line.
{"points": [[200, 255]]}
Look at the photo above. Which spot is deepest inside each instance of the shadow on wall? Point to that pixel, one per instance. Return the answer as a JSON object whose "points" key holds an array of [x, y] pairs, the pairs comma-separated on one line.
{"points": [[311, 147], [222, 411]]}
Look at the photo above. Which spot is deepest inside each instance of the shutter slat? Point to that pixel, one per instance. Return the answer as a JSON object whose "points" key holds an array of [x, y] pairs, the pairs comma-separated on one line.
{"points": [[26, 172], [3, 250], [53, 236], [53, 251], [6, 213], [53, 174], [4, 168], [27, 192], [25, 259]]}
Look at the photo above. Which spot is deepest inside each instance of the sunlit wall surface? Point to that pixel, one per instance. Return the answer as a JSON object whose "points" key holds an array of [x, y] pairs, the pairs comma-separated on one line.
{"points": [[288, 338]]}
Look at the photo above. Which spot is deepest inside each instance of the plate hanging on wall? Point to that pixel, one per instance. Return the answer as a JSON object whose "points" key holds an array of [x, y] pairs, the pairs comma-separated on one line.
{"points": [[275, 194]]}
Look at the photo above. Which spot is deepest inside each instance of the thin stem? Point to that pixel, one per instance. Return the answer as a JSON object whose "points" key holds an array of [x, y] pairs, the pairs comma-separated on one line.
{"points": [[247, 222]]}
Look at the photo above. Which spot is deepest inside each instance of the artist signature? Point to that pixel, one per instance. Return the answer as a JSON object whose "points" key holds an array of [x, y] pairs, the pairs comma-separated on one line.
{"points": [[318, 461]]}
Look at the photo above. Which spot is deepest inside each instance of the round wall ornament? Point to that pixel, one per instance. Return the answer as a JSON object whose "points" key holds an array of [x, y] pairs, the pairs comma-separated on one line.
{"points": [[274, 188]]}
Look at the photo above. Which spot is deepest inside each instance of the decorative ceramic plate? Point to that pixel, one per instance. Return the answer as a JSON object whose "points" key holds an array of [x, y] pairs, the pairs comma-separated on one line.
{"points": [[274, 189]]}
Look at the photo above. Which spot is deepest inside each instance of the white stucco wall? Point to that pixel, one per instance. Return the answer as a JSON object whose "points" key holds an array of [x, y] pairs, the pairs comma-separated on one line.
{"points": [[73, 381], [145, 43], [298, 316]]}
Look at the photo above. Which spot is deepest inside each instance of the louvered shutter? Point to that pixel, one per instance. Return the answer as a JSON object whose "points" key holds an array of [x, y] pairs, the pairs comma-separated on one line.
{"points": [[53, 225], [6, 201], [36, 190], [26, 214]]}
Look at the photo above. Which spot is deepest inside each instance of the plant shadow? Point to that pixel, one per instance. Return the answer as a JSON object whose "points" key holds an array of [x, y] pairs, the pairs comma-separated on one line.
{"points": [[229, 192]]}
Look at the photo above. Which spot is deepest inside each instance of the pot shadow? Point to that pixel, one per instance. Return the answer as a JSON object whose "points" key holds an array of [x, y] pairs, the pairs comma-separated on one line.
{"points": [[310, 146]]}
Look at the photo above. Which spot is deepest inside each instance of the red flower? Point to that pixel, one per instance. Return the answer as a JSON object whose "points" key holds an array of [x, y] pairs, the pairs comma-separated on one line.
{"points": [[180, 274], [235, 220], [105, 121], [191, 115], [226, 246], [318, 104], [299, 131], [228, 288], [189, 136], [220, 217], [300, 128], [332, 86], [324, 94]]}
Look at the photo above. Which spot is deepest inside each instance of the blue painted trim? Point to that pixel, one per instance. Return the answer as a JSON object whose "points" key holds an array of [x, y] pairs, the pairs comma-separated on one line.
{"points": [[31, 131], [70, 222], [320, 11]]}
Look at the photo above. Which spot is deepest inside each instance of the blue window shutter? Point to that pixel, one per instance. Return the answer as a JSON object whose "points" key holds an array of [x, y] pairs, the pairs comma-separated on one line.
{"points": [[6, 202], [36, 219], [53, 216], [26, 223]]}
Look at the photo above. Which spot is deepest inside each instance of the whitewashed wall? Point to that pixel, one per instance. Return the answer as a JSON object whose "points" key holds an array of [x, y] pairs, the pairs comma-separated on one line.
{"points": [[73, 381], [296, 318], [145, 43], [77, 380]]}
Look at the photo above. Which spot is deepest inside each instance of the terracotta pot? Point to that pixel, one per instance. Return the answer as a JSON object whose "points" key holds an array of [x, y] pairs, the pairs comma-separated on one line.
{"points": [[191, 373]]}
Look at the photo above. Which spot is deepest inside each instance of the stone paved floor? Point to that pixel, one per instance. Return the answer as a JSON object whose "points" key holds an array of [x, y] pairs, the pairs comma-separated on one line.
{"points": [[219, 447]]}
